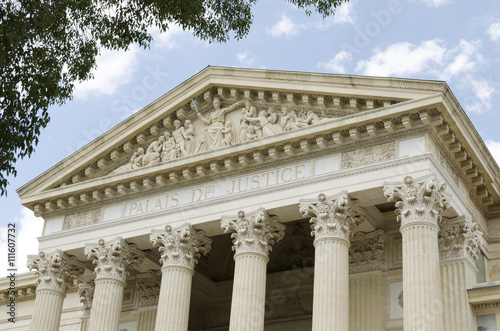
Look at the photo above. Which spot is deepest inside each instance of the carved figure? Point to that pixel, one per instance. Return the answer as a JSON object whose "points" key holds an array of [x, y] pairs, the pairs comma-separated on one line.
{"points": [[137, 158], [268, 128], [168, 148], [227, 131], [311, 118], [213, 134], [251, 134], [153, 153], [179, 137], [189, 138], [290, 120]]}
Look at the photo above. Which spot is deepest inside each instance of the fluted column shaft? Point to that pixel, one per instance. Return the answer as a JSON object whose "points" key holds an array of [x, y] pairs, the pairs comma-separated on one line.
{"points": [[331, 284], [48, 308], [112, 260], [85, 323], [175, 298], [421, 278], [54, 271], [147, 318], [249, 292], [107, 304], [333, 219], [419, 205], [180, 248], [253, 236]]}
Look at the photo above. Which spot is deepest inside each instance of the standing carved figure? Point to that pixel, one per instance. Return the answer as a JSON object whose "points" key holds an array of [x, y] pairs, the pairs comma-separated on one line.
{"points": [[179, 137], [213, 134], [228, 133], [189, 138]]}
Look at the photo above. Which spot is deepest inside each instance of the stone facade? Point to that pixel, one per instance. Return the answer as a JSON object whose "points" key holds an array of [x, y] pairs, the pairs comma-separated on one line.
{"points": [[265, 200]]}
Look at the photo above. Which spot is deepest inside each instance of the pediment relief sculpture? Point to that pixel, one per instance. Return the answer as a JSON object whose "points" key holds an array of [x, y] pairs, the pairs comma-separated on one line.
{"points": [[236, 123]]}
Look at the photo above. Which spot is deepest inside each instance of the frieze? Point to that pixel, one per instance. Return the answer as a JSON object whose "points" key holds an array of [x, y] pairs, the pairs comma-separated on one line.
{"points": [[81, 219], [367, 155]]}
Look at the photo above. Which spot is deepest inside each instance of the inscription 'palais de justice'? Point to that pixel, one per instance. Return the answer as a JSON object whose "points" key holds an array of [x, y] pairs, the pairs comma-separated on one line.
{"points": [[224, 188]]}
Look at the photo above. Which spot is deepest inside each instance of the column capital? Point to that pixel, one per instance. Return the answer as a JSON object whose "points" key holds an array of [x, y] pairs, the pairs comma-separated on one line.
{"points": [[254, 232], [55, 269], [332, 216], [420, 200], [181, 246], [86, 294], [459, 237], [148, 286], [365, 253], [112, 258]]}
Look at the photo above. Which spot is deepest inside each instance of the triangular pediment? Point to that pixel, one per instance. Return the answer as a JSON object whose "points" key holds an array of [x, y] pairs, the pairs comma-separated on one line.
{"points": [[222, 118]]}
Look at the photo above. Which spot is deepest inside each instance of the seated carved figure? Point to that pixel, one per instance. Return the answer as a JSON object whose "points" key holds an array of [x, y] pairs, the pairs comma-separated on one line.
{"points": [[168, 148], [153, 153]]}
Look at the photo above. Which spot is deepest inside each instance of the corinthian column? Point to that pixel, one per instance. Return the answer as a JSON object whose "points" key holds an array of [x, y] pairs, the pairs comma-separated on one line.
{"points": [[112, 259], [459, 240], [180, 249], [419, 207], [54, 271], [253, 236], [333, 219]]}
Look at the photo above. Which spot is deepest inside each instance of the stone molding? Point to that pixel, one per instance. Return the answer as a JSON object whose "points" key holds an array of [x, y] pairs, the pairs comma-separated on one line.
{"points": [[254, 232], [112, 258], [333, 216], [459, 237], [86, 294], [55, 270], [181, 246], [420, 200], [365, 253], [148, 288]]}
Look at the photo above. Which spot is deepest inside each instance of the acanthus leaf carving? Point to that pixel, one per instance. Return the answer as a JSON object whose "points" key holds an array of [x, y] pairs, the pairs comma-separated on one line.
{"points": [[112, 258], [415, 201], [333, 216], [181, 246], [55, 269], [148, 288], [459, 237], [86, 294], [255, 232], [365, 253]]}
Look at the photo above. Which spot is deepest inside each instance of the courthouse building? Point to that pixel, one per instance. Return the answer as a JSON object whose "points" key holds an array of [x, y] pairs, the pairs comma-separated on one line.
{"points": [[249, 200]]}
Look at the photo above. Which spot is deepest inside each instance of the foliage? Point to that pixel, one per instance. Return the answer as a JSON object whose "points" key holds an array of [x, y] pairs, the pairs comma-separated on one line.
{"points": [[48, 45]]}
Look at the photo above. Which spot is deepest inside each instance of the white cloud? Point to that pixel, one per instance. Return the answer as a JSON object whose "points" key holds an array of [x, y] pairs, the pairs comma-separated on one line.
{"points": [[344, 14], [337, 64], [483, 94], [167, 39], [436, 3], [28, 228], [402, 59], [245, 60], [114, 69], [285, 27], [494, 147], [494, 31], [462, 59]]}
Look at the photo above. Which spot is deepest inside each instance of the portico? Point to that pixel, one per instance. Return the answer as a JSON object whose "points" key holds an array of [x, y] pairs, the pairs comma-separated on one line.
{"points": [[322, 201]]}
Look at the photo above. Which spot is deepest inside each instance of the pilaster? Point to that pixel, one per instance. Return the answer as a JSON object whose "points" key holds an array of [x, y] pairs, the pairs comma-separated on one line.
{"points": [[86, 294], [253, 236], [419, 204], [148, 289], [112, 259], [333, 219], [54, 272], [180, 249], [459, 241]]}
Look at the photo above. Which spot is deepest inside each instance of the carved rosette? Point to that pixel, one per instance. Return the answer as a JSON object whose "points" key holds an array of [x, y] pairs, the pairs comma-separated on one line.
{"points": [[86, 294], [181, 246], [459, 237], [365, 254], [417, 201], [112, 258], [254, 232], [333, 216], [55, 269], [148, 287]]}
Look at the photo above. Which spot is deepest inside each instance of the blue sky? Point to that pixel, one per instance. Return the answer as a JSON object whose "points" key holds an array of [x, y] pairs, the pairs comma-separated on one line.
{"points": [[455, 41]]}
